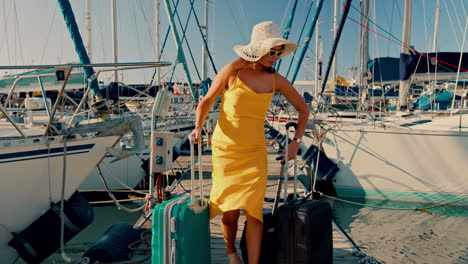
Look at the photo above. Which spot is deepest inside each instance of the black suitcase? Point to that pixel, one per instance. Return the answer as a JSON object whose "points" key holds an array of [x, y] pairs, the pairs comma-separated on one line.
{"points": [[297, 232], [303, 232]]}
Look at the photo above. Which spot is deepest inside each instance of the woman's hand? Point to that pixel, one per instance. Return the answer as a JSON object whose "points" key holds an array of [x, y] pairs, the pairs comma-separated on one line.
{"points": [[293, 147], [195, 135]]}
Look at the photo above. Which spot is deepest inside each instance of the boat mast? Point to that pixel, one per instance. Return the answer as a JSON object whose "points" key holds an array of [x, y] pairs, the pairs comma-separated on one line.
{"points": [[436, 26], [287, 28], [364, 51], [406, 38], [317, 59], [89, 30], [335, 28], [152, 168], [436, 35], [114, 36], [156, 39], [180, 52], [205, 47], [307, 40]]}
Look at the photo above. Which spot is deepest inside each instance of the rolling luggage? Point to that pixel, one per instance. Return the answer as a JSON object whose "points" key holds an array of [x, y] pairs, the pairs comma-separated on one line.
{"points": [[299, 231], [181, 226]]}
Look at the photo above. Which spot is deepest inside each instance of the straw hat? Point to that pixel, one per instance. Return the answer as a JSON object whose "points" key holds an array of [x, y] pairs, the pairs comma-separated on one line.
{"points": [[265, 35]]}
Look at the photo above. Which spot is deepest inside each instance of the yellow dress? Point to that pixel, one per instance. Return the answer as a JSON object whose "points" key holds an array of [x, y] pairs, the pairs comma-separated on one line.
{"points": [[239, 154]]}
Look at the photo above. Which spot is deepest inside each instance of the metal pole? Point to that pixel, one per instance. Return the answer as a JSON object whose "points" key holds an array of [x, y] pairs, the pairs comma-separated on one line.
{"points": [[364, 52], [317, 58], [114, 37], [335, 30], [153, 119], [406, 39], [89, 30], [205, 47]]}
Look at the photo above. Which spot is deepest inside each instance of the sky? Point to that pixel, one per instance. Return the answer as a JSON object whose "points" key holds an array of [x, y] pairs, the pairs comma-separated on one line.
{"points": [[34, 32]]}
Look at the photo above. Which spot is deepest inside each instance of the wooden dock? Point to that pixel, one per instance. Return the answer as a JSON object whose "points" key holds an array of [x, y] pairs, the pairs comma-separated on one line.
{"points": [[343, 249]]}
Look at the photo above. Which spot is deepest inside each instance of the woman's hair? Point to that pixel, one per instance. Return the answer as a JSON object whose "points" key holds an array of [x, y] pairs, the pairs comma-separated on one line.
{"points": [[270, 69]]}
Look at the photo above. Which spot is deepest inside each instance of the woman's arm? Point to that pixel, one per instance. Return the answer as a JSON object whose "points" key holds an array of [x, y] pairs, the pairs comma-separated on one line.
{"points": [[290, 93], [220, 83]]}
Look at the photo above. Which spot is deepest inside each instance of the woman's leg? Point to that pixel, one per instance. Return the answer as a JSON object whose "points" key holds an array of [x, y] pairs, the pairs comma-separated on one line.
{"points": [[254, 235], [229, 226]]}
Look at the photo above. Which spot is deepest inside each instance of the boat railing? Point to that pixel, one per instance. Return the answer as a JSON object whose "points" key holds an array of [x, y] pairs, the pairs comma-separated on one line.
{"points": [[64, 71]]}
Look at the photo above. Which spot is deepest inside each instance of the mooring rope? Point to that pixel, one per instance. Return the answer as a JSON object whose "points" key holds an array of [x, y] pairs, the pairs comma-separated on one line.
{"points": [[423, 209], [111, 195]]}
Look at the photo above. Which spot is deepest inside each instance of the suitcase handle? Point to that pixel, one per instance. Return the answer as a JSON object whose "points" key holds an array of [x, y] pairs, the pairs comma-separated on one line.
{"points": [[198, 205], [284, 173]]}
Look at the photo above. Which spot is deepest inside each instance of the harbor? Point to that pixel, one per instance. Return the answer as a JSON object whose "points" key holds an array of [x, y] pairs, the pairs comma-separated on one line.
{"points": [[98, 120]]}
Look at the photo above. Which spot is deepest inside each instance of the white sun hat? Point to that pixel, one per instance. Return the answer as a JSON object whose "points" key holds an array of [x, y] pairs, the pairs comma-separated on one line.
{"points": [[265, 35]]}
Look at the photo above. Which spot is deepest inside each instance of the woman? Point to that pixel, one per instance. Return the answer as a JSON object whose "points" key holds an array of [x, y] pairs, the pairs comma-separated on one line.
{"points": [[238, 145]]}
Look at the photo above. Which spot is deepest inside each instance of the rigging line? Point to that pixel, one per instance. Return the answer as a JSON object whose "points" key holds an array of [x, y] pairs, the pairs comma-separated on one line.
{"points": [[233, 18], [184, 37], [458, 72], [150, 33], [204, 39], [166, 37], [456, 15], [425, 36], [140, 53], [19, 33], [6, 31], [284, 14], [391, 24], [372, 22], [101, 35], [48, 35], [423, 209], [245, 19], [463, 7], [299, 39], [374, 14], [451, 23], [409, 48]]}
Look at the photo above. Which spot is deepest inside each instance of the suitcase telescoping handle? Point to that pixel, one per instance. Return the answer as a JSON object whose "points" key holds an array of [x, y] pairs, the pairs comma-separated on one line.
{"points": [[198, 205], [284, 173]]}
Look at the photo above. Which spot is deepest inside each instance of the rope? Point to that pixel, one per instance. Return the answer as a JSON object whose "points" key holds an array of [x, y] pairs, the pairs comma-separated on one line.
{"points": [[62, 204], [363, 258], [121, 200], [116, 202], [424, 209], [145, 240], [120, 181]]}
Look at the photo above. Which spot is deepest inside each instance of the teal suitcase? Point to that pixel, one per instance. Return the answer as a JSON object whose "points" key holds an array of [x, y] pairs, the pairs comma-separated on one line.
{"points": [[181, 229]]}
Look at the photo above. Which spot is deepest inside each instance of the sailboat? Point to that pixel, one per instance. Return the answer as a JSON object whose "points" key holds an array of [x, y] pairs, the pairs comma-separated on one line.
{"points": [[43, 167], [409, 156]]}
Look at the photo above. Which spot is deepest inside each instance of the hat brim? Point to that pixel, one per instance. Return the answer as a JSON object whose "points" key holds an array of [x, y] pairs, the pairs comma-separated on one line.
{"points": [[254, 51]]}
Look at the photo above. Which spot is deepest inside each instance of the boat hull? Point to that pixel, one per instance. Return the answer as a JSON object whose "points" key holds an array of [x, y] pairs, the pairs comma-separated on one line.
{"points": [[399, 163], [31, 172]]}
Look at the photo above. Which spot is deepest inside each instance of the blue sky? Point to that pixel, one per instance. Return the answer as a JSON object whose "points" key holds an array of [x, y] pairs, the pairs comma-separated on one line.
{"points": [[33, 31]]}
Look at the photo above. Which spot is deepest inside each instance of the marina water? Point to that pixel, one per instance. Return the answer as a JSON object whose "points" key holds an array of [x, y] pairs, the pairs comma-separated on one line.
{"points": [[405, 236]]}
